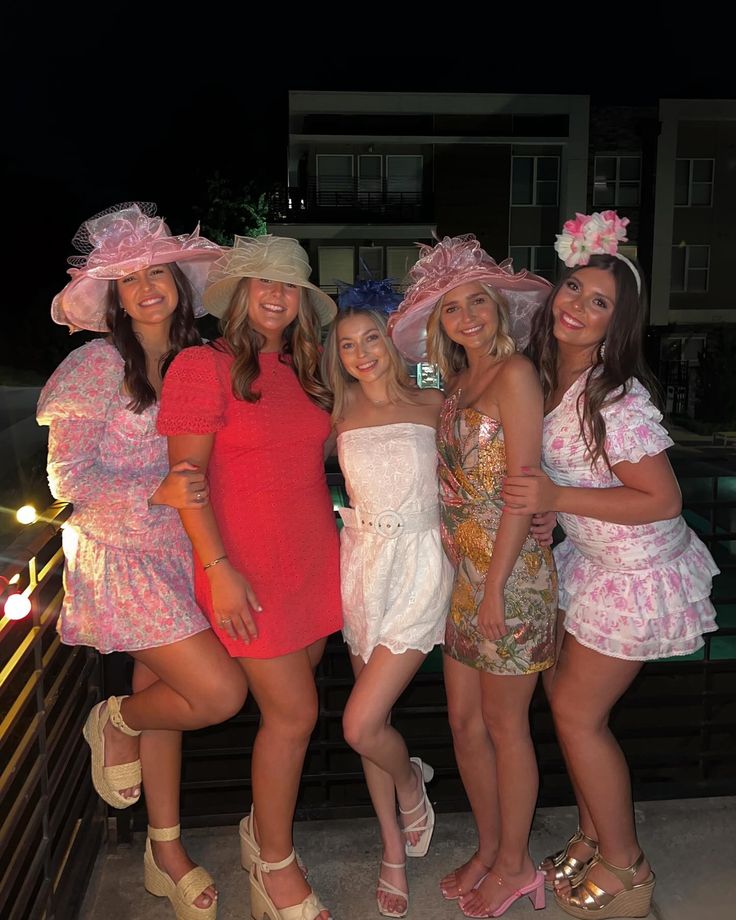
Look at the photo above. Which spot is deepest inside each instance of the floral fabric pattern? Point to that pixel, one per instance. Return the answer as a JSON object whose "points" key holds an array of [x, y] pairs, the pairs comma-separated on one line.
{"points": [[637, 592], [128, 576], [472, 466]]}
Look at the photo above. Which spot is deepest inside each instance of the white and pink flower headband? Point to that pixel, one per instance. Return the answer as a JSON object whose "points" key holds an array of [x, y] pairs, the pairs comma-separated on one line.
{"points": [[594, 234]]}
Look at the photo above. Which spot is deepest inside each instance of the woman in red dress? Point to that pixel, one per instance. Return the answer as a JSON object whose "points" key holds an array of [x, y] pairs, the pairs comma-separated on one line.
{"points": [[252, 411]]}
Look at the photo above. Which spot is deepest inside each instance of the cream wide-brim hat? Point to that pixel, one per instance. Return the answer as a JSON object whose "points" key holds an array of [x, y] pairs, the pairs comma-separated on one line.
{"points": [[273, 258]]}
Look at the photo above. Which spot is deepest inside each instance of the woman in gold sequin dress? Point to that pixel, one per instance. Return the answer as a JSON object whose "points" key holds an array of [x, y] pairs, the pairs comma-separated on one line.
{"points": [[501, 629]]}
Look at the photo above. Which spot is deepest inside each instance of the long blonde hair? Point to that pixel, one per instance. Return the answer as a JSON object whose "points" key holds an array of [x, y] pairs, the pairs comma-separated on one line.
{"points": [[300, 341], [339, 381], [450, 357]]}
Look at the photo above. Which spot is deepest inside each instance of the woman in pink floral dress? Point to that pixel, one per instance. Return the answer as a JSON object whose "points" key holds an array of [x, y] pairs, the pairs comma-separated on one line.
{"points": [[128, 575], [634, 579]]}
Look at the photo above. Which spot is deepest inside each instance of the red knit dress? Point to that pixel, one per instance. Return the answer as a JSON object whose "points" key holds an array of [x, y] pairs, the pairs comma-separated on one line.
{"points": [[268, 492]]}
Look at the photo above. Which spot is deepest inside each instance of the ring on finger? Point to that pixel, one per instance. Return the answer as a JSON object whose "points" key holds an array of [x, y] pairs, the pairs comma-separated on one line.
{"points": [[198, 497], [225, 620]]}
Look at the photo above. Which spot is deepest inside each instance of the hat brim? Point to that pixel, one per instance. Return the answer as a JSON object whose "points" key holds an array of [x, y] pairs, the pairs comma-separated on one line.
{"points": [[82, 304], [408, 327], [218, 296]]}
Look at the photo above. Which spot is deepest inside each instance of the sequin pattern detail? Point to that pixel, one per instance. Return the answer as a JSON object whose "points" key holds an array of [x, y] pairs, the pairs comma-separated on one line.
{"points": [[472, 465]]}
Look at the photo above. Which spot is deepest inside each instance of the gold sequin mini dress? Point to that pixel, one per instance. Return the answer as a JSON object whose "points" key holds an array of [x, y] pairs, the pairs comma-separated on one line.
{"points": [[472, 466]]}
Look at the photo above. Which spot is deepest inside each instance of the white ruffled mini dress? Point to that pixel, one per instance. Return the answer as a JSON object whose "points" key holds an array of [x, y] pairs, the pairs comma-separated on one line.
{"points": [[395, 589], [637, 592]]}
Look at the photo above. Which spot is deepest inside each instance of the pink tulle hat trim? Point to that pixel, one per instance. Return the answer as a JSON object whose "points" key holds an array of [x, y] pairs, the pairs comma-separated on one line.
{"points": [[117, 242], [460, 260]]}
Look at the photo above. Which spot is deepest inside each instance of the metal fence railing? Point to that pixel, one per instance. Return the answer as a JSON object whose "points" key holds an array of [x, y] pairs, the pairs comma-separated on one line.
{"points": [[51, 820], [677, 723]]}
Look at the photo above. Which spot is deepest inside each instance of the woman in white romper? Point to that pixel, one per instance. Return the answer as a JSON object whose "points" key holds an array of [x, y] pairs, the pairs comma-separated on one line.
{"points": [[396, 580]]}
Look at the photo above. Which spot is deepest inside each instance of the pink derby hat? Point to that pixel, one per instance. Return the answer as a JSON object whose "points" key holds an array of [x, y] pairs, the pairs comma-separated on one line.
{"points": [[121, 240], [457, 260]]}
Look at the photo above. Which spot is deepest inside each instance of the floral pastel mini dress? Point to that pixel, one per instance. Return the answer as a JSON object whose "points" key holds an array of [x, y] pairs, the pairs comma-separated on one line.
{"points": [[472, 467], [128, 576], [636, 592]]}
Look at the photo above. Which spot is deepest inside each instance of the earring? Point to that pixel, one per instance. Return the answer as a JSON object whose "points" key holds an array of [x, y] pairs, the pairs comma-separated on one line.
{"points": [[602, 350]]}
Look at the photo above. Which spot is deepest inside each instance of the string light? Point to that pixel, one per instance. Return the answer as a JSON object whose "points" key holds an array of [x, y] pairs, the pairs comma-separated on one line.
{"points": [[17, 606], [26, 515]]}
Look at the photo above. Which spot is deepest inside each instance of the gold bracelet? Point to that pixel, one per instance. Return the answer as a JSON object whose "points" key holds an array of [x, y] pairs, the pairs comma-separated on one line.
{"points": [[214, 562]]}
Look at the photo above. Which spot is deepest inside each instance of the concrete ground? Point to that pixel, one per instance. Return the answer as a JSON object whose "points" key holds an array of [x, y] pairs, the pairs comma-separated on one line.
{"points": [[691, 844]]}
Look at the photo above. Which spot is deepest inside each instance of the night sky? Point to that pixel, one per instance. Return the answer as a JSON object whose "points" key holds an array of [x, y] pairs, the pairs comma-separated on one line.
{"points": [[99, 113]]}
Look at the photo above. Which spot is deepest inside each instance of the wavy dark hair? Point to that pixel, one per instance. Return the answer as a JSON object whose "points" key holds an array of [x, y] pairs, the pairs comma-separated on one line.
{"points": [[300, 349], [622, 358], [182, 334]]}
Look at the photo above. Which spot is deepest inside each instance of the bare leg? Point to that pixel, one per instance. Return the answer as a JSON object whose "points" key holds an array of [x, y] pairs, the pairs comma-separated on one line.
{"points": [[286, 695], [596, 682], [505, 706], [198, 684], [476, 760], [579, 850], [388, 771], [161, 766]]}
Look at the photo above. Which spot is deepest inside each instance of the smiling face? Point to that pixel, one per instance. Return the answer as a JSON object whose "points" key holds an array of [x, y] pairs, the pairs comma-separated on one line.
{"points": [[469, 317], [150, 296], [362, 348], [272, 306], [583, 308]]}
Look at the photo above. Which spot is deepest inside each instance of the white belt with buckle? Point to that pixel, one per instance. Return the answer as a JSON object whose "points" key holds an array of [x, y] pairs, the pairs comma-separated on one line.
{"points": [[391, 524]]}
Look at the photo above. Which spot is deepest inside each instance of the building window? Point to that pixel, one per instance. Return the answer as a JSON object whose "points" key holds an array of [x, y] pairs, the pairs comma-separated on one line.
{"points": [[694, 182], [334, 179], [690, 268], [404, 176], [535, 180], [370, 262], [336, 264], [617, 181], [542, 260], [399, 259], [370, 177]]}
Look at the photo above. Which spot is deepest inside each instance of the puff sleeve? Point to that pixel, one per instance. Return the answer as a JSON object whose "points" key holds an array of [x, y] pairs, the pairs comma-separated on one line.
{"points": [[633, 427], [75, 403], [194, 396]]}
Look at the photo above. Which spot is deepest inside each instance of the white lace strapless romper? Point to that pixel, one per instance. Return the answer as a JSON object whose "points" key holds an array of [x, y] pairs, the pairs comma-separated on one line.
{"points": [[396, 580]]}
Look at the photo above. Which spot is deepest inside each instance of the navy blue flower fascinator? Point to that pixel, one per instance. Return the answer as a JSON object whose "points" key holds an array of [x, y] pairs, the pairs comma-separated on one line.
{"points": [[369, 294]]}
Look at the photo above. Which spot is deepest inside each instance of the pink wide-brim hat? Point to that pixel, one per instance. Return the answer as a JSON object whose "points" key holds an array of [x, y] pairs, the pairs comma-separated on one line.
{"points": [[123, 239], [451, 262]]}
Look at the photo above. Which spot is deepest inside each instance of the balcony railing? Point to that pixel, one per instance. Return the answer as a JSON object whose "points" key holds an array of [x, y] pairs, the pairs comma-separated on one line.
{"points": [[676, 723], [349, 200]]}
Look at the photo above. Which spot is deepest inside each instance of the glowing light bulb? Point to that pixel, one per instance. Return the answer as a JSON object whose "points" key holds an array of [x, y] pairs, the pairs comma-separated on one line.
{"points": [[26, 515], [17, 606]]}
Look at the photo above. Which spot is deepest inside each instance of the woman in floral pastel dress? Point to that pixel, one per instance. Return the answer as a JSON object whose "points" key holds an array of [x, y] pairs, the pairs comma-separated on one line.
{"points": [[634, 579], [128, 574]]}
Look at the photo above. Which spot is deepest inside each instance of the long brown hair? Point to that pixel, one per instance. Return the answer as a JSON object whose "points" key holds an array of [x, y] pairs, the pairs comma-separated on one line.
{"points": [[182, 334], [613, 367], [450, 357], [300, 348], [399, 386]]}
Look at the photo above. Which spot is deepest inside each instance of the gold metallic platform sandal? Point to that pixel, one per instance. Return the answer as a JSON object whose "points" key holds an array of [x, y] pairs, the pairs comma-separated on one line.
{"points": [[588, 900], [249, 848], [109, 780], [568, 868], [388, 888], [261, 905], [183, 893]]}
